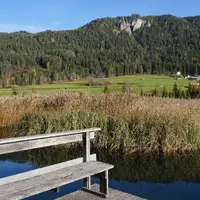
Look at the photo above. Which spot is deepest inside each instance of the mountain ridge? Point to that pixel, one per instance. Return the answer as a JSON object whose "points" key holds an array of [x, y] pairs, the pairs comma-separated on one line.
{"points": [[111, 46], [103, 18]]}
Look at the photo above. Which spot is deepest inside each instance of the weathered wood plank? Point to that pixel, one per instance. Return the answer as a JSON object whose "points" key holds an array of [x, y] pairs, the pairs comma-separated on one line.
{"points": [[81, 195], [48, 181], [22, 145], [121, 196], [50, 135], [133, 198], [86, 156], [57, 190], [44, 170], [36, 181], [21, 186], [104, 183], [114, 194], [96, 193], [86, 145]]}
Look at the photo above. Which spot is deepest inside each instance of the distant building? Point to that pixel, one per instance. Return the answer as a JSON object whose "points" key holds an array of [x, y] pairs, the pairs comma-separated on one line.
{"points": [[193, 78], [188, 76], [178, 73]]}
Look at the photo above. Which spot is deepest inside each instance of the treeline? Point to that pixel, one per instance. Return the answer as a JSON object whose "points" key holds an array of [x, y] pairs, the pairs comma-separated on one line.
{"points": [[191, 92], [102, 49]]}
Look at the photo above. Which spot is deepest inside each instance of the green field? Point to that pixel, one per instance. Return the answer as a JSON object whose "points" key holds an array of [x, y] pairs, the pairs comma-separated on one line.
{"points": [[137, 82]]}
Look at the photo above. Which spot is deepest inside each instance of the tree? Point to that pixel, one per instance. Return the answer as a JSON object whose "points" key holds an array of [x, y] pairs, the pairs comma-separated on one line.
{"points": [[102, 47], [164, 92], [176, 91], [106, 89], [155, 93], [170, 94], [15, 90], [182, 94], [141, 92]]}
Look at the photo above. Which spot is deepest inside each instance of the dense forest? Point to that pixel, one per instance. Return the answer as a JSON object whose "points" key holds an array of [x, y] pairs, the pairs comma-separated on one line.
{"points": [[104, 47]]}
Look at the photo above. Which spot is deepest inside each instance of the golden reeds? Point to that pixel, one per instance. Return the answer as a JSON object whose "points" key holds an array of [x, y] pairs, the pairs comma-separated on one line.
{"points": [[129, 122]]}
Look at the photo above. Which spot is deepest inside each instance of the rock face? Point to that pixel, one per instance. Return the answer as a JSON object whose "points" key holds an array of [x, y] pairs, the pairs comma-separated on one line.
{"points": [[130, 27]]}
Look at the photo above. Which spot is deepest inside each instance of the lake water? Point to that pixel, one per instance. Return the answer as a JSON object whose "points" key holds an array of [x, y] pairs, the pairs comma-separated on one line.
{"points": [[148, 176]]}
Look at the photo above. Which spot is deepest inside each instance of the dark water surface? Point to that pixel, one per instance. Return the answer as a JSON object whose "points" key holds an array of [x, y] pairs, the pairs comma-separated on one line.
{"points": [[148, 176]]}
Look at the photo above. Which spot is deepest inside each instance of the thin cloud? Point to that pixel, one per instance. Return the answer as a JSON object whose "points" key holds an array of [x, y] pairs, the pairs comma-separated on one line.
{"points": [[4, 27]]}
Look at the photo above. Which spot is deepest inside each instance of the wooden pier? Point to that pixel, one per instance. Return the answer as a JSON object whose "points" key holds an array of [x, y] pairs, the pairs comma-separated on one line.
{"points": [[113, 194]]}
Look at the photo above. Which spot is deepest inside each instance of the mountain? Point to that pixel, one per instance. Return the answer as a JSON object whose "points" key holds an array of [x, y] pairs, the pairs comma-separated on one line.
{"points": [[109, 46]]}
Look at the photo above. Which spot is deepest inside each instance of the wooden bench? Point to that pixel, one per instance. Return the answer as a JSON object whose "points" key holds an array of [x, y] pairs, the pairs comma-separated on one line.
{"points": [[30, 183]]}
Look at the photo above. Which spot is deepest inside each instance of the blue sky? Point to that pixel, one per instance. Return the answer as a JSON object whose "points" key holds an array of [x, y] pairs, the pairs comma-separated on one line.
{"points": [[39, 15]]}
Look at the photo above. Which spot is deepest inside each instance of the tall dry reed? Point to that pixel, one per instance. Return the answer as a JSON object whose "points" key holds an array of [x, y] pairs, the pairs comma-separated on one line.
{"points": [[129, 122]]}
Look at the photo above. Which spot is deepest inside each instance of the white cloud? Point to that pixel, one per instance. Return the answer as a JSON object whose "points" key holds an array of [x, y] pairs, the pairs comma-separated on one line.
{"points": [[4, 27]]}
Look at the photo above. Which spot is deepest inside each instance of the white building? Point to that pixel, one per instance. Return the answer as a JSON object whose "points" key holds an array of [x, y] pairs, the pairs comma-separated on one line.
{"points": [[178, 73]]}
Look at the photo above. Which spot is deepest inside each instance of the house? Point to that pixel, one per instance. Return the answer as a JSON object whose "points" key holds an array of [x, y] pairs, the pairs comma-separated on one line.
{"points": [[192, 78], [178, 73]]}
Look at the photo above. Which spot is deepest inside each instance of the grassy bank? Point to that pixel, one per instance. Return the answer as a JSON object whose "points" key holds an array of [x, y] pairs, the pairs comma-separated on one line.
{"points": [[145, 82], [129, 123]]}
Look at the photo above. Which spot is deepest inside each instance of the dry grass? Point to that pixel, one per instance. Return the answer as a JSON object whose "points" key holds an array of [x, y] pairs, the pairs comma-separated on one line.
{"points": [[129, 122]]}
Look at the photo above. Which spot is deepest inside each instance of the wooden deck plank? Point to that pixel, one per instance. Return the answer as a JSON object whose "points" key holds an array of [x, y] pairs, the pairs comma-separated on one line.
{"points": [[134, 198], [45, 182], [43, 170], [113, 194]]}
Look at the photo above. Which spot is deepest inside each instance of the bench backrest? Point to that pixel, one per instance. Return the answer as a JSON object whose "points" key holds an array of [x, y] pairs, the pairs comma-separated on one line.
{"points": [[11, 145]]}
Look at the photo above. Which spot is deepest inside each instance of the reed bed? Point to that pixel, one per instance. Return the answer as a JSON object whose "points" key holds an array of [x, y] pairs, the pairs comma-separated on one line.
{"points": [[130, 123]]}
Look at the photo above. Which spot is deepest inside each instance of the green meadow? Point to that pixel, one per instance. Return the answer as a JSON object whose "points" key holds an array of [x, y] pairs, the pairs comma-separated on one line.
{"points": [[145, 82]]}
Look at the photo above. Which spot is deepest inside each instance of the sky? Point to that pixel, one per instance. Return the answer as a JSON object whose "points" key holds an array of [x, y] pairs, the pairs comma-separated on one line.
{"points": [[39, 15]]}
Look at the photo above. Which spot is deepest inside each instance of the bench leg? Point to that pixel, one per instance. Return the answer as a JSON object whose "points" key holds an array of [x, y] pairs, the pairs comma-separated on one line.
{"points": [[57, 190], [104, 183], [86, 157], [87, 182]]}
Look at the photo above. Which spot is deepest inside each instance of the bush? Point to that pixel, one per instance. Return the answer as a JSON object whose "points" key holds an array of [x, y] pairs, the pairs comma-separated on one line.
{"points": [[127, 87], [106, 89], [15, 90], [98, 82]]}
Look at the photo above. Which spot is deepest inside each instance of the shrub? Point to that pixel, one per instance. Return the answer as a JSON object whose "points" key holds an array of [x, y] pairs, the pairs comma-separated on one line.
{"points": [[15, 90], [98, 82], [106, 90], [126, 88]]}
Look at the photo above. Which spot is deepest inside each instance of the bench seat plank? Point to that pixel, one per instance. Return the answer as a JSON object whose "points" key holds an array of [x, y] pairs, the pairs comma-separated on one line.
{"points": [[43, 170], [44, 182]]}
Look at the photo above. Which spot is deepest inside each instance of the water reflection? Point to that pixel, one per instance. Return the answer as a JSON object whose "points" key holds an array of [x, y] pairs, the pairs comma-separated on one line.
{"points": [[155, 168], [150, 176]]}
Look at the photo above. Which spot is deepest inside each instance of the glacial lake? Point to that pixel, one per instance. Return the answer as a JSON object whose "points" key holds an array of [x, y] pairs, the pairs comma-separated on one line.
{"points": [[150, 176]]}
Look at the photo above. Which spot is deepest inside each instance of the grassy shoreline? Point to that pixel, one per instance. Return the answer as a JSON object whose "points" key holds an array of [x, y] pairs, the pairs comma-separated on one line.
{"points": [[129, 123]]}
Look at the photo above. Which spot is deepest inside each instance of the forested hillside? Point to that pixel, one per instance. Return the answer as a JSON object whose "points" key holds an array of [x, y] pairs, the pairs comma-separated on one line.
{"points": [[110, 46]]}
